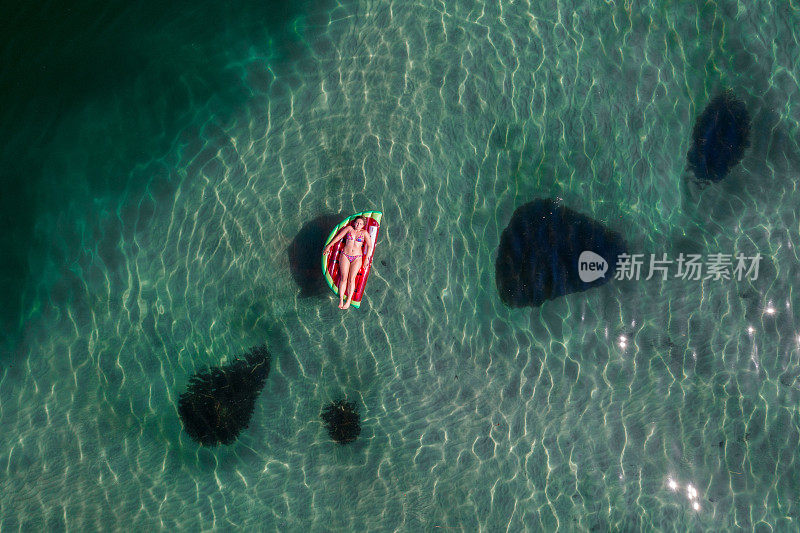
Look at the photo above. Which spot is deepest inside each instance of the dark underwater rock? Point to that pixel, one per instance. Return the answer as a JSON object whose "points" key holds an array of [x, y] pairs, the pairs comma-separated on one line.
{"points": [[342, 421], [720, 137], [219, 401], [538, 255], [305, 255]]}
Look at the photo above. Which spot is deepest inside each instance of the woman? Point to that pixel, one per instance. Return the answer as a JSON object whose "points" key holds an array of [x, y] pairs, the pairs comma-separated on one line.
{"points": [[356, 247]]}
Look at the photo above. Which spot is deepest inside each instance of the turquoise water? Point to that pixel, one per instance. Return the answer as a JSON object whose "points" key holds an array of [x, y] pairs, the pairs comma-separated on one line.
{"points": [[159, 162]]}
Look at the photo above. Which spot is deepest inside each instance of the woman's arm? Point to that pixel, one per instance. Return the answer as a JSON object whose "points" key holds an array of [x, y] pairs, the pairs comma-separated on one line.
{"points": [[336, 239], [367, 245]]}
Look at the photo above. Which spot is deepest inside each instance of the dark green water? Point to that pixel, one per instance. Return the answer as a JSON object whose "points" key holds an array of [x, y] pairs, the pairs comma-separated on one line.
{"points": [[92, 90], [157, 162]]}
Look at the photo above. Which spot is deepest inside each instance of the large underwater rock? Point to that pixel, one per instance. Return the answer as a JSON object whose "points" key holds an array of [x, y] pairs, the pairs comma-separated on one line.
{"points": [[342, 421], [720, 137], [538, 255], [305, 255], [219, 401]]}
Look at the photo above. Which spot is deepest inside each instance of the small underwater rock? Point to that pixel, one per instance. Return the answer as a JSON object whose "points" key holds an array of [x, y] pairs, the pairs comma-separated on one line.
{"points": [[720, 137], [537, 259], [305, 254], [342, 421], [219, 401]]}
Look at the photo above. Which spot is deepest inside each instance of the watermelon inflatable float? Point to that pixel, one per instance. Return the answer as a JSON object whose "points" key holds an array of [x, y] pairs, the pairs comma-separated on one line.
{"points": [[330, 262]]}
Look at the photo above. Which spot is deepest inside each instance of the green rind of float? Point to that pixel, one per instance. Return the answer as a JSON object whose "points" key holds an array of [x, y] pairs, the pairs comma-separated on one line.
{"points": [[377, 215]]}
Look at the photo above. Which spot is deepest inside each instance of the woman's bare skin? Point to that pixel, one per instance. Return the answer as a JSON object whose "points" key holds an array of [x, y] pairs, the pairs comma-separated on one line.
{"points": [[357, 246]]}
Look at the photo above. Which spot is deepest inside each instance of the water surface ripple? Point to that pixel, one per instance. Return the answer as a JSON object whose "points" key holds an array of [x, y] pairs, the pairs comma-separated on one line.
{"points": [[651, 404]]}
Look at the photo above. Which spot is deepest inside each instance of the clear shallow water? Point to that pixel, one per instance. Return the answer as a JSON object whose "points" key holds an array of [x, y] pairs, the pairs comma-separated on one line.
{"points": [[162, 209]]}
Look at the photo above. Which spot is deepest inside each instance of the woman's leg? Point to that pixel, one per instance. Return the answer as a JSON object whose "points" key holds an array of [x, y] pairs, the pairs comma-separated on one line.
{"points": [[344, 271], [355, 266]]}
